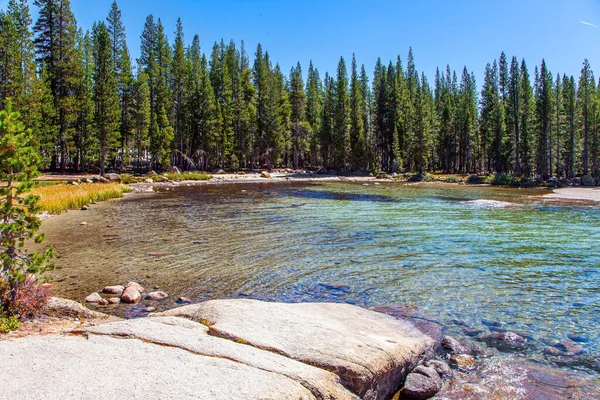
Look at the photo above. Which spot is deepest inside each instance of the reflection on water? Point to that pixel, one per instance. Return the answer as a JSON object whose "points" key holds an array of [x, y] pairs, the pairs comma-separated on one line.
{"points": [[531, 267]]}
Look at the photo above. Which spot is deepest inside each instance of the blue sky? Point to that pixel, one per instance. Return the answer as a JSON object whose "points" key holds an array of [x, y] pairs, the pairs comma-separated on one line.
{"points": [[466, 32]]}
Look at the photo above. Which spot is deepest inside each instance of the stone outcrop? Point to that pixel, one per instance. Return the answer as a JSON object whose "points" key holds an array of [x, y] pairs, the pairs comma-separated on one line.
{"points": [[372, 353], [222, 349]]}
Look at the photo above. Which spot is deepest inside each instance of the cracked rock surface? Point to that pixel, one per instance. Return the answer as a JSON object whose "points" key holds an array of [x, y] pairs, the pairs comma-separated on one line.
{"points": [[242, 349]]}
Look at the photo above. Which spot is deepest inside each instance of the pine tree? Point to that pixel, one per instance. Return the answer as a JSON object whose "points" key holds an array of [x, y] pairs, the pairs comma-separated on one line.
{"points": [[585, 95], [357, 129], [84, 104], [513, 113], [106, 96], [327, 121], [527, 104], [569, 105], [179, 71], [141, 116], [367, 117], [18, 221], [55, 43], [314, 106], [340, 121], [17, 64], [300, 128], [543, 114], [147, 64], [122, 63], [423, 125]]}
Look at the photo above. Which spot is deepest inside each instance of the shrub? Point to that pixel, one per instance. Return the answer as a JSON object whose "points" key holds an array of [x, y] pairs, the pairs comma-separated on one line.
{"points": [[500, 179], [9, 324], [476, 179], [234, 163], [30, 300], [452, 179], [128, 178], [189, 176], [425, 177]]}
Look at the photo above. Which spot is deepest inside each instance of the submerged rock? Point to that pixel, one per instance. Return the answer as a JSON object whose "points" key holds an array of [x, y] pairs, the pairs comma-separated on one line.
{"points": [[441, 367], [568, 347], [114, 300], [184, 300], [464, 362], [454, 346], [506, 341], [159, 295], [422, 383], [489, 203], [371, 352]]}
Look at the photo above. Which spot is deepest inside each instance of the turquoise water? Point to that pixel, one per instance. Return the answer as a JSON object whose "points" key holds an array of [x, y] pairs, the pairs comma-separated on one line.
{"points": [[531, 267]]}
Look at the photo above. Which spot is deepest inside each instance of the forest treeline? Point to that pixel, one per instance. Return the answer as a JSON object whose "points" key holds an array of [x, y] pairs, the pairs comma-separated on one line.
{"points": [[91, 107]]}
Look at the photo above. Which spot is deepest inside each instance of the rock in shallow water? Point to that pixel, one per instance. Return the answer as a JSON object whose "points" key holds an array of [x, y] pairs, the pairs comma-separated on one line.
{"points": [[131, 295], [422, 383], [117, 289], [464, 362], [136, 286], [453, 345], [441, 367], [506, 341], [159, 295], [93, 298]]}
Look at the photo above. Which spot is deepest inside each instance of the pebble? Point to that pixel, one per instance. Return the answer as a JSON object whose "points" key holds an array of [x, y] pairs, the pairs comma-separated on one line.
{"points": [[464, 362]]}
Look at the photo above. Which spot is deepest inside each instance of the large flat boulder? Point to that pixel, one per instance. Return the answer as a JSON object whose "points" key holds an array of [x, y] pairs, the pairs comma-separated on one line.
{"points": [[102, 367], [192, 336], [372, 353]]}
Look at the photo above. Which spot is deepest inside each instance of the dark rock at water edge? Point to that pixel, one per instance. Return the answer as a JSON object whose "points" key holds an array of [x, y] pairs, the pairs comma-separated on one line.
{"points": [[422, 383], [506, 341], [454, 346]]}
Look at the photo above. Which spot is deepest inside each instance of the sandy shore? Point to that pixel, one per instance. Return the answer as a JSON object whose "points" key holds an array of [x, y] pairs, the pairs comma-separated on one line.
{"points": [[575, 193]]}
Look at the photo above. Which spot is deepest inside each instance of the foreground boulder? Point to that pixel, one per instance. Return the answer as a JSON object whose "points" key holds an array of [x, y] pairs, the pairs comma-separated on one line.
{"points": [[372, 353], [76, 367]]}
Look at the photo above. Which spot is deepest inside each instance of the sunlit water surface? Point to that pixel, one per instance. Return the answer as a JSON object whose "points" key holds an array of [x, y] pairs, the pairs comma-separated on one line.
{"points": [[532, 267]]}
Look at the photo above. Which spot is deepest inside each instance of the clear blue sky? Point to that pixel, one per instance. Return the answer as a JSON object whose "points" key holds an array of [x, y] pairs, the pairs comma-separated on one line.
{"points": [[465, 32]]}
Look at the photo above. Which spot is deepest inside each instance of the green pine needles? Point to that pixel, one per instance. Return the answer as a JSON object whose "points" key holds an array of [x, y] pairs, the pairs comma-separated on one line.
{"points": [[18, 221]]}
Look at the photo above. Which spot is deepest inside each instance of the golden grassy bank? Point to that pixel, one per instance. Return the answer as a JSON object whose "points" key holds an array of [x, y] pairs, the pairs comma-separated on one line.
{"points": [[59, 198]]}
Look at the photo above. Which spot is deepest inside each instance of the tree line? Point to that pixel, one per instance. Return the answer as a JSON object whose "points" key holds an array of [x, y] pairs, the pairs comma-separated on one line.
{"points": [[91, 107]]}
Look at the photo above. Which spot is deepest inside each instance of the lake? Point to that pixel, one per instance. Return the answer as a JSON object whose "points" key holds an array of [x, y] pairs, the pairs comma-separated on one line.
{"points": [[530, 267]]}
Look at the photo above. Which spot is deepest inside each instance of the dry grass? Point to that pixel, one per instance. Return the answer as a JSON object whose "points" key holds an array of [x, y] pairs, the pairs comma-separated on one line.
{"points": [[59, 198]]}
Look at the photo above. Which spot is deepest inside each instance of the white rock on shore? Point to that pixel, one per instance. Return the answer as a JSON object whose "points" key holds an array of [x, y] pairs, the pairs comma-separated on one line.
{"points": [[371, 352], [242, 349]]}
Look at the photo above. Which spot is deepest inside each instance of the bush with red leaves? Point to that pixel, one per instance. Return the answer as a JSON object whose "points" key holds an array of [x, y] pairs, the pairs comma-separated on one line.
{"points": [[30, 301]]}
